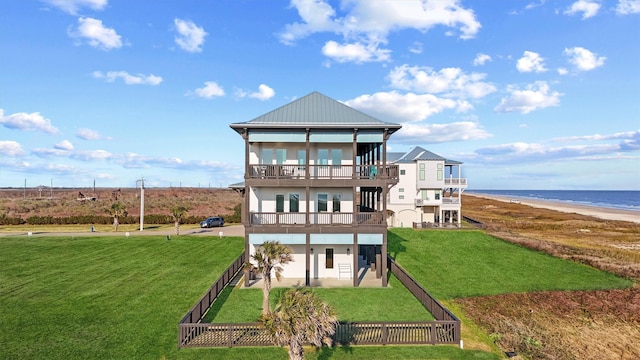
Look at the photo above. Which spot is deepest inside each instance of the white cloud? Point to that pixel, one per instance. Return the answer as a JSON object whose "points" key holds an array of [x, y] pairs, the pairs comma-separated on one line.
{"points": [[404, 107], [419, 133], [626, 7], [138, 79], [190, 36], [416, 47], [24, 121], [588, 8], [451, 82], [481, 59], [92, 155], [355, 52], [583, 59], [630, 139], [209, 91], [96, 34], [72, 6], [88, 134], [264, 93], [593, 147], [64, 145], [10, 148], [371, 21], [535, 96], [562, 71], [531, 62]]}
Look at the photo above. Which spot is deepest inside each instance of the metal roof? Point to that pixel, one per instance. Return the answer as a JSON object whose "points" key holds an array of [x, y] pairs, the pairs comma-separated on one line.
{"points": [[316, 111], [418, 153]]}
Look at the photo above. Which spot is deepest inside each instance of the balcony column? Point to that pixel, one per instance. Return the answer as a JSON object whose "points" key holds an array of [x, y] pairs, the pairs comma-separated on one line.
{"points": [[354, 218], [307, 147], [355, 259], [385, 281], [245, 204], [354, 156], [308, 260], [245, 136]]}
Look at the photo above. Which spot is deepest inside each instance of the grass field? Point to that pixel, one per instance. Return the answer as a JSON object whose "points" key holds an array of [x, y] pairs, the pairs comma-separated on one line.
{"points": [[102, 297], [116, 297], [122, 298], [396, 302], [464, 263]]}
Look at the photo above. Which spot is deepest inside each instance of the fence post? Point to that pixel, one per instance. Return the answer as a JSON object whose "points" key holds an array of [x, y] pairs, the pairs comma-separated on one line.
{"points": [[433, 332], [384, 333], [230, 326]]}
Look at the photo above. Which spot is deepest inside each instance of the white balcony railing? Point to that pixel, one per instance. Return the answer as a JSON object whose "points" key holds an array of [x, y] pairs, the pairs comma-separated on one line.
{"points": [[456, 181], [323, 172], [317, 218]]}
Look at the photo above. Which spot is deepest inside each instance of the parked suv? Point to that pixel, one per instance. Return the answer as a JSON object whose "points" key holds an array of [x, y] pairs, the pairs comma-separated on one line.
{"points": [[212, 221]]}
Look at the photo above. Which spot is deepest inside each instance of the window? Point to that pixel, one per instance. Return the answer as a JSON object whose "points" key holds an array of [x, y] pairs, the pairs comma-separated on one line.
{"points": [[425, 195], [437, 194], [421, 172], [279, 203], [328, 262], [336, 157], [336, 202], [302, 159], [439, 172], [401, 197], [323, 156], [402, 172], [294, 203], [281, 156], [267, 156], [322, 202], [401, 190]]}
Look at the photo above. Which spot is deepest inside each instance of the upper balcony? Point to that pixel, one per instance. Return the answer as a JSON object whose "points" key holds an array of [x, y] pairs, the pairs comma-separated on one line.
{"points": [[322, 175], [317, 219], [456, 182]]}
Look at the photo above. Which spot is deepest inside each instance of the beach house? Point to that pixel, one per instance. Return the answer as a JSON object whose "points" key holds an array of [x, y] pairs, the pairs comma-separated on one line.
{"points": [[428, 192], [317, 179]]}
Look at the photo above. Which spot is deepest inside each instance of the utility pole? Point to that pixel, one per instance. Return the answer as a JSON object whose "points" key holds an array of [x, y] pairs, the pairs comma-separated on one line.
{"points": [[141, 182]]}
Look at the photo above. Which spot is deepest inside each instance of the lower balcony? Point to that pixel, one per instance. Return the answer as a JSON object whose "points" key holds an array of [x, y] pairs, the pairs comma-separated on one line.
{"points": [[317, 218]]}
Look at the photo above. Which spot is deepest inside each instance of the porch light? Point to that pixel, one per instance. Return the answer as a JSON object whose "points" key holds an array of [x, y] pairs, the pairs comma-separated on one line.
{"points": [[348, 251], [311, 251]]}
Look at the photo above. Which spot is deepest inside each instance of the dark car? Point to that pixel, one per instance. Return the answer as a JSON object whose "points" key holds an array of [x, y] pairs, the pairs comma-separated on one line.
{"points": [[211, 222]]}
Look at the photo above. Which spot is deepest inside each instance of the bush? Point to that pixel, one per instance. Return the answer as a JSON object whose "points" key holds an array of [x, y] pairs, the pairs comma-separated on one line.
{"points": [[6, 220]]}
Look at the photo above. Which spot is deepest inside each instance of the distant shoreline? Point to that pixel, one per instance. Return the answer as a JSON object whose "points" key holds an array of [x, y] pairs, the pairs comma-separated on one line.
{"points": [[595, 211]]}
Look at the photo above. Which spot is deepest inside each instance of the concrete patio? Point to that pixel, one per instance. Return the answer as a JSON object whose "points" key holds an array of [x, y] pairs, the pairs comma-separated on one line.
{"points": [[367, 279]]}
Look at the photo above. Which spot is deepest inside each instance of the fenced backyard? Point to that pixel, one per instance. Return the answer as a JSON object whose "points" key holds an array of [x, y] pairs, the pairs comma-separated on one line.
{"points": [[444, 330]]}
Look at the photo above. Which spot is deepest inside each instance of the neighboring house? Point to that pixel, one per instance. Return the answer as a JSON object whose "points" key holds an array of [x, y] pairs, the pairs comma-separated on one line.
{"points": [[315, 180], [428, 191]]}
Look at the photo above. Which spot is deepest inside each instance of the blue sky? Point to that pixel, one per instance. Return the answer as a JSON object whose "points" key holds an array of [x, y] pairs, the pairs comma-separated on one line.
{"points": [[528, 94]]}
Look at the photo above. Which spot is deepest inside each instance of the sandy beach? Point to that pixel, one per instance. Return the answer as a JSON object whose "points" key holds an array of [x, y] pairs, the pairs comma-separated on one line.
{"points": [[599, 212]]}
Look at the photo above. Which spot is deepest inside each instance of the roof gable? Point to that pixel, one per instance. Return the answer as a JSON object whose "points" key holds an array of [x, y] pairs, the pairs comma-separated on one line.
{"points": [[315, 110]]}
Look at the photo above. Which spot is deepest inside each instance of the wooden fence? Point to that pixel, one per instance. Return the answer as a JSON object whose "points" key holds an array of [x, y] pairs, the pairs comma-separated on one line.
{"points": [[196, 313], [444, 330]]}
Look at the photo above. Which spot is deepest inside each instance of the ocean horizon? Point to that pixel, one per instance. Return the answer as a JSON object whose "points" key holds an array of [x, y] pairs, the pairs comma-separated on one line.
{"points": [[611, 199]]}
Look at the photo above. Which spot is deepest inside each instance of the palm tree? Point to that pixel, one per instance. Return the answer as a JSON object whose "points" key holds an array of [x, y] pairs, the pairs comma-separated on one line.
{"points": [[269, 257], [116, 210], [300, 318], [178, 213]]}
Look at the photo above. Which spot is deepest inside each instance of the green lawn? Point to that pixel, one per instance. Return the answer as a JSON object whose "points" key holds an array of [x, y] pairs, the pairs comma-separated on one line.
{"points": [[122, 298], [103, 297], [394, 303], [463, 263]]}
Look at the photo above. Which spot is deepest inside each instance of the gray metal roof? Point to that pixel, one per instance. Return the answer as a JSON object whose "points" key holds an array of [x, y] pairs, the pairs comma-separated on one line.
{"points": [[316, 111], [418, 153]]}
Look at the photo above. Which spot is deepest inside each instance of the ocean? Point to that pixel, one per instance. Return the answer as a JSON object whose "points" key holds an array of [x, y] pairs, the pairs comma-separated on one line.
{"points": [[612, 199]]}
